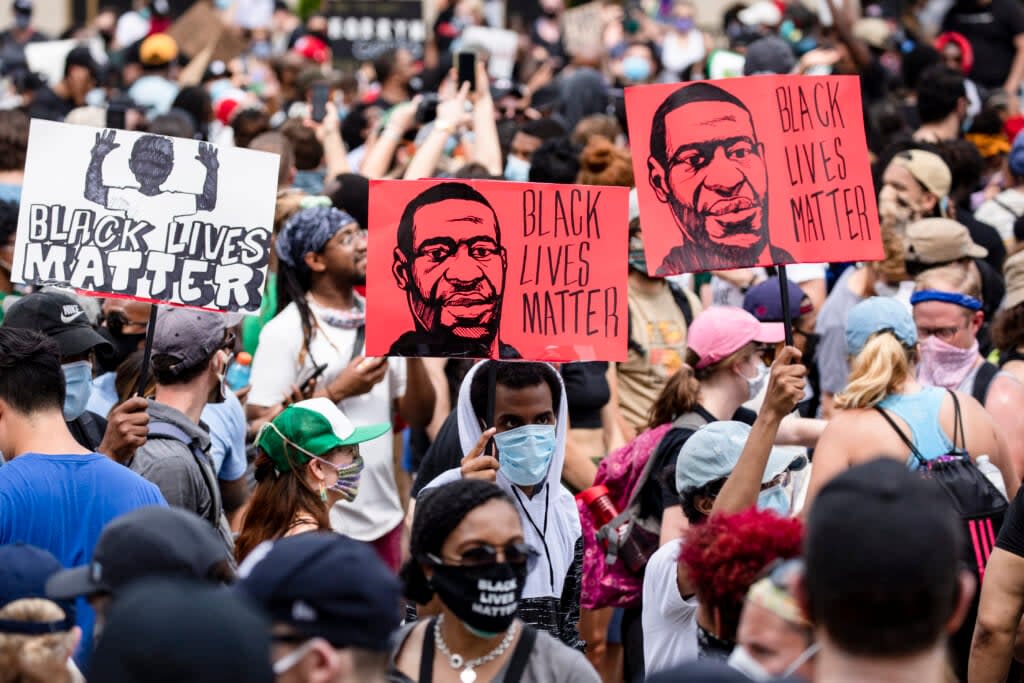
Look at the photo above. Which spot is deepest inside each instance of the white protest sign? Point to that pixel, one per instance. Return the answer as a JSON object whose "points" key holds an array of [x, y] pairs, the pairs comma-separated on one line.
{"points": [[47, 57], [147, 217], [500, 45]]}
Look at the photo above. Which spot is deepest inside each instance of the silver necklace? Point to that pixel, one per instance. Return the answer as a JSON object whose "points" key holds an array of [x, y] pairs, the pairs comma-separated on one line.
{"points": [[456, 661]]}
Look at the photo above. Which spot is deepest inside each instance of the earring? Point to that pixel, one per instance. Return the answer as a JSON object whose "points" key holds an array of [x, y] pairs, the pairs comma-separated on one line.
{"points": [[323, 492]]}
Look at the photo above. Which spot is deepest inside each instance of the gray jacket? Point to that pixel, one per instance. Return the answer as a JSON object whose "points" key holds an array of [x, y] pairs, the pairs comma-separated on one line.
{"points": [[186, 480]]}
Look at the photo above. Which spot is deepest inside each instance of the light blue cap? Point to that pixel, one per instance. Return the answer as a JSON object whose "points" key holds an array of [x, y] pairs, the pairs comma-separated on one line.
{"points": [[879, 314], [712, 452]]}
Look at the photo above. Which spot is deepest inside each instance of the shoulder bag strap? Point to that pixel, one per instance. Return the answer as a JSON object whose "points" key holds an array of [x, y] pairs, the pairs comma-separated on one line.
{"points": [[903, 437], [427, 654], [983, 380], [168, 431], [959, 435], [521, 655]]}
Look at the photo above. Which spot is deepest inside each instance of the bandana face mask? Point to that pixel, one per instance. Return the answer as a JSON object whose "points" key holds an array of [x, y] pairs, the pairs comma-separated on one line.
{"points": [[347, 486]]}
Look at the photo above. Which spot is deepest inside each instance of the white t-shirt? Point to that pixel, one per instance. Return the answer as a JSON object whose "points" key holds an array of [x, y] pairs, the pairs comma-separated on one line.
{"points": [[160, 210], [669, 622], [275, 368]]}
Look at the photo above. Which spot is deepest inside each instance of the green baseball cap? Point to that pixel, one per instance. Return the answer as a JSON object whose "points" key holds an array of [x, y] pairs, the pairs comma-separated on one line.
{"points": [[315, 425]]}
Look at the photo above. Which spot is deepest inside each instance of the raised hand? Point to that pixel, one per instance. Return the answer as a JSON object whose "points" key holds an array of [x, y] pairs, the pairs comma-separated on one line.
{"points": [[104, 143], [207, 156], [478, 465]]}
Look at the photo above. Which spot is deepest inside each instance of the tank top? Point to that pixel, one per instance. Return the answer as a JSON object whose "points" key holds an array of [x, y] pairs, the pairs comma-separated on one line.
{"points": [[921, 413]]}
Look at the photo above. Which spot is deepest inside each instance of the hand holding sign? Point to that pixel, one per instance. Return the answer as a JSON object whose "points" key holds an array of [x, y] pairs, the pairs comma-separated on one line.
{"points": [[786, 383]]}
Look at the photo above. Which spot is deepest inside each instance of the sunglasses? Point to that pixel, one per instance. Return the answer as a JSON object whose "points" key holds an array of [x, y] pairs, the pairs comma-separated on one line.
{"points": [[515, 554]]}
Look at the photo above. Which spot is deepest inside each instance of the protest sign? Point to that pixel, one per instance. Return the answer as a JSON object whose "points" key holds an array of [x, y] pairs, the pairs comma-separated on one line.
{"points": [[146, 217], [364, 29], [500, 46], [201, 26], [47, 58], [752, 172], [583, 27], [490, 269]]}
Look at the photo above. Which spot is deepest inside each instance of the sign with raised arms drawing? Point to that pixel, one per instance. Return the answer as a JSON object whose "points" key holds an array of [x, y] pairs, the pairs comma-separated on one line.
{"points": [[144, 216], [494, 269], [754, 171]]}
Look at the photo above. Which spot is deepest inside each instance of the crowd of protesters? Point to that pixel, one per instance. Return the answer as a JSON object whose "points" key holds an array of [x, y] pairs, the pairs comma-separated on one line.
{"points": [[334, 517]]}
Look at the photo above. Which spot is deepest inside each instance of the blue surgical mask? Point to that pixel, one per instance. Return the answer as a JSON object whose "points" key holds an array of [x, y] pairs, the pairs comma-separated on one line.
{"points": [[77, 388], [775, 500], [517, 170], [524, 453], [636, 69]]}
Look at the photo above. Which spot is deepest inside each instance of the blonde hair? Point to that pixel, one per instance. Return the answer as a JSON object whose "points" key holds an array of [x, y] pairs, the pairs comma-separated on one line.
{"points": [[880, 369], [955, 277], [34, 658]]}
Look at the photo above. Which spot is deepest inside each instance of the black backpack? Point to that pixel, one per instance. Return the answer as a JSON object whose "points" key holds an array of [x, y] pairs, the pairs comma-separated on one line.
{"points": [[980, 505]]}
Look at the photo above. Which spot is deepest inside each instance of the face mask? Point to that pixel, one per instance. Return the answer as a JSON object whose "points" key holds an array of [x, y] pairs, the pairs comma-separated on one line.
{"points": [[945, 365], [684, 24], [637, 256], [219, 393], [742, 661], [774, 500], [22, 20], [77, 388], [122, 346], [636, 69], [517, 170], [756, 383], [524, 453], [485, 599]]}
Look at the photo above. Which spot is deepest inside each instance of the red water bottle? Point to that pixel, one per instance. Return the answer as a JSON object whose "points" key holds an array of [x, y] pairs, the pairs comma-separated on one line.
{"points": [[602, 509]]}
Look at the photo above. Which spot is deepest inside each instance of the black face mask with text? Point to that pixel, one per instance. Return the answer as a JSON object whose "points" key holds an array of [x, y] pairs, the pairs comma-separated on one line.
{"points": [[484, 598], [122, 346]]}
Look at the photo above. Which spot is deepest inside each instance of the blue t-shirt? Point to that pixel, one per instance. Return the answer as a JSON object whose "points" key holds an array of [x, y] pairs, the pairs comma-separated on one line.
{"points": [[61, 503]]}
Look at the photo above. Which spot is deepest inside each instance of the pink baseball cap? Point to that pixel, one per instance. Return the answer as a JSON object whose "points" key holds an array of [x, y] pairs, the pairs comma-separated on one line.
{"points": [[721, 331]]}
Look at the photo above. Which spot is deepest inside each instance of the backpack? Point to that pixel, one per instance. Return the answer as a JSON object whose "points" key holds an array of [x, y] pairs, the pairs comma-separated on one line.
{"points": [[608, 579], [166, 430], [980, 506]]}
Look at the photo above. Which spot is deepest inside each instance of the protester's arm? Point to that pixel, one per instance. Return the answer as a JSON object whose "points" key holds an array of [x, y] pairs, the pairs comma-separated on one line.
{"points": [[985, 437], [785, 390], [328, 132], [377, 161], [800, 431], [1004, 401], [486, 145], [233, 493], [358, 378], [95, 190], [451, 115], [1016, 75], [442, 401], [416, 405], [127, 429], [569, 604], [207, 156], [999, 613], [673, 524], [843, 18], [477, 464], [831, 456], [578, 470]]}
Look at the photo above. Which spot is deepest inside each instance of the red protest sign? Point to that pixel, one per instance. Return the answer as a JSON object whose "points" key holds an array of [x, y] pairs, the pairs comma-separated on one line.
{"points": [[752, 171], [493, 269]]}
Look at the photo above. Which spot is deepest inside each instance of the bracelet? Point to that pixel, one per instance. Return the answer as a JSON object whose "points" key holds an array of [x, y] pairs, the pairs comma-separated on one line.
{"points": [[390, 133]]}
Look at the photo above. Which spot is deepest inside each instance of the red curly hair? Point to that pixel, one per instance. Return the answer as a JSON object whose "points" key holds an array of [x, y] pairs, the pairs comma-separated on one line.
{"points": [[724, 556]]}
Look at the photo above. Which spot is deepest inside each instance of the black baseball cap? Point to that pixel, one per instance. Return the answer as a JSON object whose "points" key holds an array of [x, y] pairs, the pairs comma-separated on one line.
{"points": [[24, 570], [169, 631], [297, 582], [147, 542], [59, 317]]}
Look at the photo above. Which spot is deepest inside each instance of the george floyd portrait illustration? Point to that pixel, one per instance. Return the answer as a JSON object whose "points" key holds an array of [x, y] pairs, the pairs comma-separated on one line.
{"points": [[754, 171], [489, 269]]}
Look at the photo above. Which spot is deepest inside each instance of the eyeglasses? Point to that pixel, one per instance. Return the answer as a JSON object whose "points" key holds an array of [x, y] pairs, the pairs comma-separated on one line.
{"points": [[943, 333], [348, 237], [116, 321], [517, 554]]}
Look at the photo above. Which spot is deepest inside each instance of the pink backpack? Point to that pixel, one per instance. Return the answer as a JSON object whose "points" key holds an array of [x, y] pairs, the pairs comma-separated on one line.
{"points": [[608, 580]]}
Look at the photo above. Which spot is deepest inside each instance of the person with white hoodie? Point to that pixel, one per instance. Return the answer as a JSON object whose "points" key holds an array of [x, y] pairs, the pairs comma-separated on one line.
{"points": [[520, 446]]}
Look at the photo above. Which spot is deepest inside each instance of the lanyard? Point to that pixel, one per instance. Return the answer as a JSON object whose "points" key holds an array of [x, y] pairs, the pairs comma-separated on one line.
{"points": [[543, 534]]}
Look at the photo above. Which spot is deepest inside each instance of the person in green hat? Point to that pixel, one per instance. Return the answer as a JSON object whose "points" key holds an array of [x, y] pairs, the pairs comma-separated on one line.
{"points": [[309, 459]]}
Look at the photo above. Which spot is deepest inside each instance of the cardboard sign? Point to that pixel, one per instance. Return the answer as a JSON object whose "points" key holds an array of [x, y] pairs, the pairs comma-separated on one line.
{"points": [[583, 27], [201, 26], [492, 269], [500, 46], [146, 217], [362, 30], [47, 58], [752, 172]]}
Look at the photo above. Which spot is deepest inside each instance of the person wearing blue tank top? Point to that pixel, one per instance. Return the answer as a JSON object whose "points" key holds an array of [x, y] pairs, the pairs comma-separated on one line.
{"points": [[882, 341]]}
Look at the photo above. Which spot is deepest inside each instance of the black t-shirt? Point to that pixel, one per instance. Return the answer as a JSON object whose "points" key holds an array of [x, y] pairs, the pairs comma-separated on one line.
{"points": [[46, 104], [587, 392], [88, 430], [444, 454], [990, 28], [985, 235], [659, 492], [1011, 536]]}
